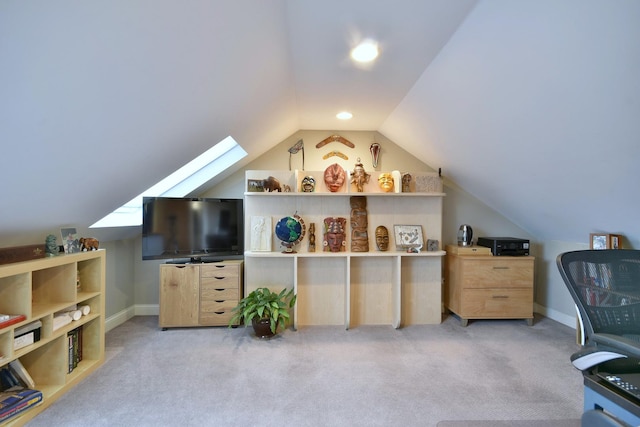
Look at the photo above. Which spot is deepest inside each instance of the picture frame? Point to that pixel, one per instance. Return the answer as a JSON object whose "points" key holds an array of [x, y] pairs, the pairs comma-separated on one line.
{"points": [[70, 240], [255, 186], [600, 241], [408, 237]]}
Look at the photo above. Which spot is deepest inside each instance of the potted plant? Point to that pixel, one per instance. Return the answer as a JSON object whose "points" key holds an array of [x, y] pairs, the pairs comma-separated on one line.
{"points": [[265, 310]]}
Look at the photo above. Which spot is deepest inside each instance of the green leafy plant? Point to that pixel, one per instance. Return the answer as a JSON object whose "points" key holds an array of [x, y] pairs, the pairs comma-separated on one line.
{"points": [[265, 304]]}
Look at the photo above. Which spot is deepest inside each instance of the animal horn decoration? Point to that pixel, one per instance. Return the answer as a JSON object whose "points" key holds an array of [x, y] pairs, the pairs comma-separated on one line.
{"points": [[294, 150], [375, 153]]}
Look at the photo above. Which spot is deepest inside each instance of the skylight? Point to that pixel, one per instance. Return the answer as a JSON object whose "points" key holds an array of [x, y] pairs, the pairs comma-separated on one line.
{"points": [[180, 183]]}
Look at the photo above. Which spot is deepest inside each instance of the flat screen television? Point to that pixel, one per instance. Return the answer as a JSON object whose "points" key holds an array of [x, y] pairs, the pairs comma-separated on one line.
{"points": [[192, 229]]}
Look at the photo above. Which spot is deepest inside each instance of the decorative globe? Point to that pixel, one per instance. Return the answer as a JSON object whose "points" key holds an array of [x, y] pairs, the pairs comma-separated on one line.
{"points": [[290, 230]]}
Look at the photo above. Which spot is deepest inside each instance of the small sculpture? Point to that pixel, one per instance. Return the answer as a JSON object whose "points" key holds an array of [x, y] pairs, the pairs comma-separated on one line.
{"points": [[51, 245], [382, 238], [359, 223], [334, 177], [385, 180], [88, 243], [308, 184], [375, 153], [312, 237], [334, 237], [271, 184], [359, 176], [406, 183]]}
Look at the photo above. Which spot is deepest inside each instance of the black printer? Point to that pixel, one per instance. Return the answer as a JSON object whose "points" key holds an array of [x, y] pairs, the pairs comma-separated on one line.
{"points": [[505, 246]]}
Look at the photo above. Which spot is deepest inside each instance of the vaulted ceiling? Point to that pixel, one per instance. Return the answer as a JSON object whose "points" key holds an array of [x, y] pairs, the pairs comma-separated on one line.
{"points": [[530, 106]]}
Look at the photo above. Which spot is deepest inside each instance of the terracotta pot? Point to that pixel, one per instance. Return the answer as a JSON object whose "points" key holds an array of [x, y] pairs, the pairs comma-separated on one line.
{"points": [[262, 328]]}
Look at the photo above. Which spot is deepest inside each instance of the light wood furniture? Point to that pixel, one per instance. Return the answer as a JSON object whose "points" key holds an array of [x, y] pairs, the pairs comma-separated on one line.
{"points": [[38, 289], [199, 294], [489, 287], [348, 288]]}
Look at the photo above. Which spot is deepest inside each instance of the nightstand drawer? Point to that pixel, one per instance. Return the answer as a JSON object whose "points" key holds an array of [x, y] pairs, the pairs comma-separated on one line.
{"points": [[209, 293], [497, 303], [497, 273], [217, 306], [215, 270]]}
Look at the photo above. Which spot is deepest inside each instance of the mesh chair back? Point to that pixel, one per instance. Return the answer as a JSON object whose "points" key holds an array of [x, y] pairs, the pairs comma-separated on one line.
{"points": [[605, 285]]}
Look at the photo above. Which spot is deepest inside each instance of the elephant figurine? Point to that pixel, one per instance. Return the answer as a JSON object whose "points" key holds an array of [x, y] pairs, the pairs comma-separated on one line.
{"points": [[88, 243], [271, 184]]}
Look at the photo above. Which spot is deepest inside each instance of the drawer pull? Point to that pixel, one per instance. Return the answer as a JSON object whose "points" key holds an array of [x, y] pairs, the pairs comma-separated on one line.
{"points": [[219, 312], [500, 268], [219, 278], [220, 290], [500, 296], [219, 300]]}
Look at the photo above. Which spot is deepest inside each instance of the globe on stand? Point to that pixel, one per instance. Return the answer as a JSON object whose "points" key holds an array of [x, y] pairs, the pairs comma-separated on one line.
{"points": [[290, 230]]}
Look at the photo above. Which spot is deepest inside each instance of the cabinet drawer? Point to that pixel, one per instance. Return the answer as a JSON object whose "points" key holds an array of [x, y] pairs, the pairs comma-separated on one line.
{"points": [[218, 283], [215, 270], [497, 273], [497, 303], [217, 306], [216, 319], [208, 293]]}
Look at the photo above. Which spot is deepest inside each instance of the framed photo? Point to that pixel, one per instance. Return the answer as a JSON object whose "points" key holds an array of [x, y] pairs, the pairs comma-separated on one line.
{"points": [[70, 240], [615, 241], [408, 237], [255, 186], [605, 241]]}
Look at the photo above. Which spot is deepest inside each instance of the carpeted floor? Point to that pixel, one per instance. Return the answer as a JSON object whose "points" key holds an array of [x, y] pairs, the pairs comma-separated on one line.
{"points": [[493, 372]]}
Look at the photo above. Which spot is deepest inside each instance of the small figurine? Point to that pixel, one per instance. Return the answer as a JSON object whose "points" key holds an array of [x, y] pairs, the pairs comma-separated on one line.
{"points": [[382, 238], [406, 183], [88, 244], [312, 237], [375, 153], [51, 245], [359, 176], [308, 184], [271, 184], [334, 177], [385, 180]]}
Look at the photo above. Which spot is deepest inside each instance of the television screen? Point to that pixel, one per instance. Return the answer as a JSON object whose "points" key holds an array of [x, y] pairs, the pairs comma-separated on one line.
{"points": [[195, 228]]}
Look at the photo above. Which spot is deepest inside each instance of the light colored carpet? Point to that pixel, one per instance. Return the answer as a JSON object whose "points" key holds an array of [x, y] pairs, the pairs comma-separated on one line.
{"points": [[328, 376], [512, 423]]}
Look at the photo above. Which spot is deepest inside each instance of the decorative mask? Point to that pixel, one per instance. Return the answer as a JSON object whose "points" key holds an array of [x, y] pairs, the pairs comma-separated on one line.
{"points": [[385, 180], [334, 177], [308, 184]]}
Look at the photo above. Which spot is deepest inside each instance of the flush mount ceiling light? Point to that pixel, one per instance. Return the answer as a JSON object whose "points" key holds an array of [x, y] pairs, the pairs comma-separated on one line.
{"points": [[344, 115], [366, 51]]}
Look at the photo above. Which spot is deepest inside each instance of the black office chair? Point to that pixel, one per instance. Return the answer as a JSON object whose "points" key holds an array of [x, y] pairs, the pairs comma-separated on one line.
{"points": [[605, 286]]}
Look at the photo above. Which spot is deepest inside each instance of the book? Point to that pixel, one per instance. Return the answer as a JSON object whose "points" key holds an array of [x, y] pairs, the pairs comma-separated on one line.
{"points": [[12, 320], [23, 375], [8, 380], [15, 402]]}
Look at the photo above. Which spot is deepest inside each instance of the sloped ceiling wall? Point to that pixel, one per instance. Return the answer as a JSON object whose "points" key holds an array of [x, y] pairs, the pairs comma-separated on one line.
{"points": [[534, 108]]}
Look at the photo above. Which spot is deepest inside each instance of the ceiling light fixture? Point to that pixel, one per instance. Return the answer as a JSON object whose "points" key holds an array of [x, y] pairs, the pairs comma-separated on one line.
{"points": [[366, 51], [344, 115]]}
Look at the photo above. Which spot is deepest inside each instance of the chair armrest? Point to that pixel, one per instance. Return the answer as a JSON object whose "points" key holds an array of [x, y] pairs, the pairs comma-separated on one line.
{"points": [[616, 342]]}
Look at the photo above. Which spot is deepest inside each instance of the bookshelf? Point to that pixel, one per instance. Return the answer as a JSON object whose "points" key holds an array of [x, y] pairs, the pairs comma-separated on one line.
{"points": [[347, 288], [40, 289]]}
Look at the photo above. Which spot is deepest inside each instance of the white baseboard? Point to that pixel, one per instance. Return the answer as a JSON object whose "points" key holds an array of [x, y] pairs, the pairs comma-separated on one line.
{"points": [[565, 319], [126, 314]]}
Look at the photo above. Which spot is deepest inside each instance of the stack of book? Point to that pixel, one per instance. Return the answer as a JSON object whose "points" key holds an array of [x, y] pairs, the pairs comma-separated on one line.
{"points": [[74, 338], [18, 391]]}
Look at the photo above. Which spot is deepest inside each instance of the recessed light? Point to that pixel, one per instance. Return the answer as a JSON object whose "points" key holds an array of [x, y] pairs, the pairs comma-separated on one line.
{"points": [[344, 115], [366, 51]]}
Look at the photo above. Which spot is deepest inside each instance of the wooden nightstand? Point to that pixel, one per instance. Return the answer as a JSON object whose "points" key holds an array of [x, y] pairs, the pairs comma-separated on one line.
{"points": [[489, 287]]}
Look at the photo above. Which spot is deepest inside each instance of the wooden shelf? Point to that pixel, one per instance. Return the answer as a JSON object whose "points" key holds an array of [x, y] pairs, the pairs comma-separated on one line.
{"points": [[39, 289]]}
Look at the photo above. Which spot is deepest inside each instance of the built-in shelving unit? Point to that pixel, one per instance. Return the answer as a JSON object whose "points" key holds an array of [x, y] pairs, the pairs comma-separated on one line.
{"points": [[39, 289], [349, 288]]}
